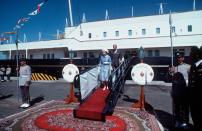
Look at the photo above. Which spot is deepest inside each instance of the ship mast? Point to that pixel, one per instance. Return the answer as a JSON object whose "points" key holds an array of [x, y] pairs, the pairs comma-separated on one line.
{"points": [[194, 5], [70, 13]]}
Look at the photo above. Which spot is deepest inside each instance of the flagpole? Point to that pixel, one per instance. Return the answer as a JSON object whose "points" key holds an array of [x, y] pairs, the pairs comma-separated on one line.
{"points": [[171, 43], [171, 38], [17, 57]]}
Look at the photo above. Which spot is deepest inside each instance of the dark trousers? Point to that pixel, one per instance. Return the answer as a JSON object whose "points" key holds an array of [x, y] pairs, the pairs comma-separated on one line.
{"points": [[181, 111], [2, 77], [25, 94], [196, 117], [8, 77]]}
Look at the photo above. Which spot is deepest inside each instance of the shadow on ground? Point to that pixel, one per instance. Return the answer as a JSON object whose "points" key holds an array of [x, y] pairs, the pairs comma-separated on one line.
{"points": [[5, 96], [128, 99], [37, 100]]}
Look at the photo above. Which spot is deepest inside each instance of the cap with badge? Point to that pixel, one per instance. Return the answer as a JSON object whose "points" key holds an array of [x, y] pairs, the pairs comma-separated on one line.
{"points": [[179, 54]]}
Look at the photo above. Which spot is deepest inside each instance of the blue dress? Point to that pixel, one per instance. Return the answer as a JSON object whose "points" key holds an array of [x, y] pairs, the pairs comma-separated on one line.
{"points": [[105, 65]]}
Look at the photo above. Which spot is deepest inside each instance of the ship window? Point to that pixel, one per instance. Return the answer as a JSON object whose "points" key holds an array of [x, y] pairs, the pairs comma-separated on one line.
{"points": [[189, 28], [85, 55], [157, 30], [75, 54], [44, 56], [52, 56], [150, 53], [143, 31], [89, 35], [130, 32], [104, 34], [173, 29], [48, 56], [116, 33], [156, 53]]}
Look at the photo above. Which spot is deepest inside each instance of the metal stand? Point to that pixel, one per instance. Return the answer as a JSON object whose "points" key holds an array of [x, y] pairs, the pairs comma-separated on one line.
{"points": [[71, 97], [141, 103]]}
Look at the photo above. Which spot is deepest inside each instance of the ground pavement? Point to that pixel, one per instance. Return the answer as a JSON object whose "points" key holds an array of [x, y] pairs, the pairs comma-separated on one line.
{"points": [[157, 96]]}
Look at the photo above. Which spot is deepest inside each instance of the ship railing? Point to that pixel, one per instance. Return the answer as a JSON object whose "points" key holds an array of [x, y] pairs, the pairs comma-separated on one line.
{"points": [[116, 83]]}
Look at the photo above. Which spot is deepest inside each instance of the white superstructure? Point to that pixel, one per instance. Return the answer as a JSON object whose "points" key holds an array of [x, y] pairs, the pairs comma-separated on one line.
{"points": [[150, 32]]}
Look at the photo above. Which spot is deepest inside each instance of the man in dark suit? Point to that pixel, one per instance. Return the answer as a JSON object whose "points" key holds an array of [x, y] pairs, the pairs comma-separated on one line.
{"points": [[117, 57], [195, 90]]}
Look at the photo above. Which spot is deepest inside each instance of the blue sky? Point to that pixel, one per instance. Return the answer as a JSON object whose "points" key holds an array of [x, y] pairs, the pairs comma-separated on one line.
{"points": [[54, 12]]}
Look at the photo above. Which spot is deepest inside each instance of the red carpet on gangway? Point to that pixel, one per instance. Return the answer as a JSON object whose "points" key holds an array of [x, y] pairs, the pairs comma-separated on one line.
{"points": [[93, 107]]}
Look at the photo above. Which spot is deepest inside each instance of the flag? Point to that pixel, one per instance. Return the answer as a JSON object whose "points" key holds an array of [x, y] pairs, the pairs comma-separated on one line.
{"points": [[17, 26], [4, 38], [39, 6], [34, 12], [23, 20], [12, 32]]}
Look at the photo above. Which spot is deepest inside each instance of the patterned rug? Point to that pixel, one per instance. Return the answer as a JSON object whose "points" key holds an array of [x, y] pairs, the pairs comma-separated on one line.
{"points": [[58, 116]]}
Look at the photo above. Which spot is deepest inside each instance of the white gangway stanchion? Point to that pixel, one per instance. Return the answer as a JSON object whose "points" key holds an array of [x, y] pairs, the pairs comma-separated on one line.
{"points": [[68, 73], [141, 74]]}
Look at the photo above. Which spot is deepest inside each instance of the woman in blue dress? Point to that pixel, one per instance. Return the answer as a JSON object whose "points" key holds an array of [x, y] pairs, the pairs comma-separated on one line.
{"points": [[105, 68]]}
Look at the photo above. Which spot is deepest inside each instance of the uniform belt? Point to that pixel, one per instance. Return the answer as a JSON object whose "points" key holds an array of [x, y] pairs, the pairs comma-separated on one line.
{"points": [[24, 76]]}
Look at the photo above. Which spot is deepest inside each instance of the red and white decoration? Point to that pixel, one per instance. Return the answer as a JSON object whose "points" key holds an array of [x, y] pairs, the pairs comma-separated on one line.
{"points": [[69, 72], [142, 74]]}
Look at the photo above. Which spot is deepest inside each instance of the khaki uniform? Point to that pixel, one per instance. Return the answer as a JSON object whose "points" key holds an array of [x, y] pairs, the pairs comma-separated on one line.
{"points": [[25, 75], [24, 82]]}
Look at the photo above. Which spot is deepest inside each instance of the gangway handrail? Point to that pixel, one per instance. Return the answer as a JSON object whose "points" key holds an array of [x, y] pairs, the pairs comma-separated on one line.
{"points": [[77, 83], [116, 84]]}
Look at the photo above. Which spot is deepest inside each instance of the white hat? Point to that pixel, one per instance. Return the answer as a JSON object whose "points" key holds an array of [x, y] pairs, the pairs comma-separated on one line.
{"points": [[105, 50]]}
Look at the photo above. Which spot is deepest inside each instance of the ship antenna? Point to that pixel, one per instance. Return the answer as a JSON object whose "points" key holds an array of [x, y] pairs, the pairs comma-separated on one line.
{"points": [[39, 36], [160, 8], [194, 5], [25, 38], [132, 13], [70, 13], [106, 15], [66, 22], [84, 18]]}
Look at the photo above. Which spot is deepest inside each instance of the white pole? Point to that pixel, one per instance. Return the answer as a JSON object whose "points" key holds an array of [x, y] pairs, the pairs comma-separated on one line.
{"points": [[11, 39], [57, 34], [132, 11], [17, 66], [84, 18], [161, 9], [106, 15], [66, 22], [70, 13], [39, 36], [171, 37], [194, 5]]}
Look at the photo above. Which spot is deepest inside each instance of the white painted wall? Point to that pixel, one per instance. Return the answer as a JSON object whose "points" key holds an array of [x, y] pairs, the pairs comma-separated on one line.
{"points": [[181, 39]]}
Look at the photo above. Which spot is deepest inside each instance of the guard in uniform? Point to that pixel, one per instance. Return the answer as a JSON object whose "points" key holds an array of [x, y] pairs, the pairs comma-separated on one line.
{"points": [[24, 82], [180, 92], [195, 82]]}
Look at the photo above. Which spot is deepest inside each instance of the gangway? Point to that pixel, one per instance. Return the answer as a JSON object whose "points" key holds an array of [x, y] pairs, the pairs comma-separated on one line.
{"points": [[96, 103]]}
